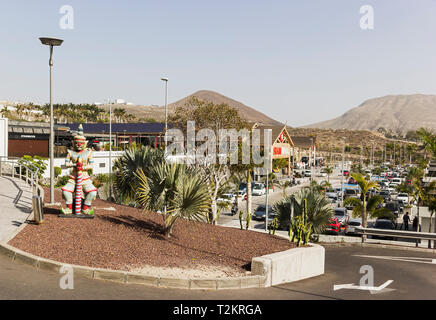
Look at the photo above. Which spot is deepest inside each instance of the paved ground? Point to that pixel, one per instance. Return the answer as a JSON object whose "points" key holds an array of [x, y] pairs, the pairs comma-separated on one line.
{"points": [[412, 279], [15, 204]]}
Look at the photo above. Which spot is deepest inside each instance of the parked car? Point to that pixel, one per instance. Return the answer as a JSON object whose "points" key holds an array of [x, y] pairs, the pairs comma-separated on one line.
{"points": [[352, 181], [260, 212], [259, 189], [385, 224], [351, 193], [333, 227], [322, 174], [341, 215], [386, 195], [350, 227], [394, 207], [227, 197], [332, 196], [242, 193], [404, 197], [307, 173]]}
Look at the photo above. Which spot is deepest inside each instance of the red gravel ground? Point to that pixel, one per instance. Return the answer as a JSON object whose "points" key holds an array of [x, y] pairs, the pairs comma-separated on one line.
{"points": [[129, 238]]}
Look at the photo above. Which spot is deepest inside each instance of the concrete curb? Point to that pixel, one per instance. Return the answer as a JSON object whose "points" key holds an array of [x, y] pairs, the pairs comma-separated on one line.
{"points": [[39, 263], [378, 245]]}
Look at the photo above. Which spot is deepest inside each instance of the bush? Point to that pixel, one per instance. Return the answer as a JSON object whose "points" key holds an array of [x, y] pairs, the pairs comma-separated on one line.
{"points": [[57, 171], [33, 162], [62, 181]]}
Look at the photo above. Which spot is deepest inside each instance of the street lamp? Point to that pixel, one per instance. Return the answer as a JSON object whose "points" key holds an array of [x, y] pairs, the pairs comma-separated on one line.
{"points": [[311, 160], [166, 108], [110, 150], [342, 175], [52, 42]]}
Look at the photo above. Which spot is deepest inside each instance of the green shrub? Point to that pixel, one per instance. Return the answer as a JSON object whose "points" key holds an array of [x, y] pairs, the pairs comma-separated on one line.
{"points": [[32, 162], [57, 171], [62, 181]]}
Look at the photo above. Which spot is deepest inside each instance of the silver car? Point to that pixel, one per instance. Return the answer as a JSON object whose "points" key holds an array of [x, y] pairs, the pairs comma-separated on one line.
{"points": [[351, 225], [342, 215]]}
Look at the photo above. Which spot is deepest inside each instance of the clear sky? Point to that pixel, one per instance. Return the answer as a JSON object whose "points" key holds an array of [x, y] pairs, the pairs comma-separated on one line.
{"points": [[300, 61]]}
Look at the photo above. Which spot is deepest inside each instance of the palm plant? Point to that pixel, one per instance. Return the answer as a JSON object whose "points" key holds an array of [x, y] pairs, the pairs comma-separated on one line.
{"points": [[329, 171], [373, 208], [364, 186], [175, 191], [319, 210], [126, 166]]}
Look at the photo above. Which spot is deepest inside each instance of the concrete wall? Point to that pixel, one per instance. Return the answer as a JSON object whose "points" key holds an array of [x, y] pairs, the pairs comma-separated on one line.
{"points": [[290, 265], [101, 163], [3, 137]]}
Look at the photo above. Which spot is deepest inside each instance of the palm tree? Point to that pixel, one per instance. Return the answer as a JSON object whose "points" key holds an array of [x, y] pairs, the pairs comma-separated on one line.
{"points": [[283, 185], [128, 164], [373, 208], [319, 210], [329, 171], [364, 186], [175, 191], [428, 139]]}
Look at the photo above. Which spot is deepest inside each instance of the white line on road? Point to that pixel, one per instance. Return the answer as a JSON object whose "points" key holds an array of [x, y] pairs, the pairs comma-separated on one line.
{"points": [[404, 259], [368, 288]]}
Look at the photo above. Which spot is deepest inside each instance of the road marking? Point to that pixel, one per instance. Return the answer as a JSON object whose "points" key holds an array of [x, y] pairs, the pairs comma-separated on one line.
{"points": [[373, 290], [404, 259]]}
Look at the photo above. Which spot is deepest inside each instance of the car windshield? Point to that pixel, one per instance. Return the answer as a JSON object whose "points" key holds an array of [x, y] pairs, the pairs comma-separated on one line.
{"points": [[339, 213], [260, 208], [383, 224], [257, 187], [403, 195], [354, 223]]}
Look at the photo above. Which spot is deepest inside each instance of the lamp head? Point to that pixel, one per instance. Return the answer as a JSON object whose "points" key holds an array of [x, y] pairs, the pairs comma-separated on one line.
{"points": [[51, 41], [164, 79]]}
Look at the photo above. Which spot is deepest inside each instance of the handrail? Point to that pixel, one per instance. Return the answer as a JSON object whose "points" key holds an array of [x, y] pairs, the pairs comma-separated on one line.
{"points": [[33, 172], [396, 233]]}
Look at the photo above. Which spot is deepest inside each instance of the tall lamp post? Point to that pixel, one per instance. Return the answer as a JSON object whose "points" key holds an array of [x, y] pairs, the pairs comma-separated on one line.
{"points": [[110, 150], [166, 108], [52, 42], [342, 171]]}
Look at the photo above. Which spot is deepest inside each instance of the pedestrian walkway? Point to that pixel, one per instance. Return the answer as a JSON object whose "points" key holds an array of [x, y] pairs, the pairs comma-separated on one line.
{"points": [[15, 205]]}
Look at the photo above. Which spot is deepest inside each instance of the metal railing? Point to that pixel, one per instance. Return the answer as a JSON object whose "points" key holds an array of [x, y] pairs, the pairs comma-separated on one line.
{"points": [[31, 178], [396, 233]]}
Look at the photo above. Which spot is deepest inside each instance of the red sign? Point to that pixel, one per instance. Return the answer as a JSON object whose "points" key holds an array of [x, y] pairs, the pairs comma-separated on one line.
{"points": [[282, 137], [277, 151]]}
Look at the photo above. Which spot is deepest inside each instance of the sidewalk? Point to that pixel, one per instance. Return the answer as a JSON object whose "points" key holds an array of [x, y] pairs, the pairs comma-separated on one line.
{"points": [[15, 205]]}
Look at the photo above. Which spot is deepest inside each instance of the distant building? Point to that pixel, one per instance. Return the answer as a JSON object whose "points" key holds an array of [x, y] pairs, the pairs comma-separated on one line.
{"points": [[282, 143]]}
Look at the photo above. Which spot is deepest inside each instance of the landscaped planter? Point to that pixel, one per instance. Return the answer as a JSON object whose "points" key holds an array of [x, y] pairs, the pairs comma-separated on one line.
{"points": [[290, 265]]}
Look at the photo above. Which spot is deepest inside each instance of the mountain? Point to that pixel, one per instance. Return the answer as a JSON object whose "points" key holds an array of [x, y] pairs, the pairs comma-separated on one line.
{"points": [[399, 113], [158, 113]]}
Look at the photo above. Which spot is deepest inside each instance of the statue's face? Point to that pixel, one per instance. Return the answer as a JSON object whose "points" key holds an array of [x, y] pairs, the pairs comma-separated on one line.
{"points": [[79, 145]]}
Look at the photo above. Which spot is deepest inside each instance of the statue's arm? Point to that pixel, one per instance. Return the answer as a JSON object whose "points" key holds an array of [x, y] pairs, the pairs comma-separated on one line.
{"points": [[90, 162], [68, 162]]}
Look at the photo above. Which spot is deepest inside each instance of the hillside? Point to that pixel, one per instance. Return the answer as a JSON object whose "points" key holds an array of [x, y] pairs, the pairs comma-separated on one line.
{"points": [[399, 113], [158, 113]]}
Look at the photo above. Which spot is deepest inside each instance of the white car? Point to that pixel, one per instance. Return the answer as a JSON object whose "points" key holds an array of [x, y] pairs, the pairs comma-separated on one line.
{"points": [[227, 197], [322, 174], [259, 189], [404, 197], [351, 225]]}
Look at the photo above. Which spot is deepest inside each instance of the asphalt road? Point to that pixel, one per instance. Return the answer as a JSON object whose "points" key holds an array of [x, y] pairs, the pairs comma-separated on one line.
{"points": [[412, 279]]}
